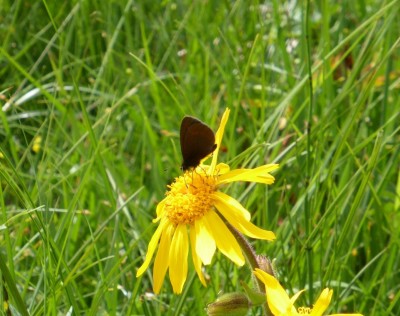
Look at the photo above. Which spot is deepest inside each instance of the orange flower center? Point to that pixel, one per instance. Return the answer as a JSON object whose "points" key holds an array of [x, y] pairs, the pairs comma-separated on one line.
{"points": [[189, 197]]}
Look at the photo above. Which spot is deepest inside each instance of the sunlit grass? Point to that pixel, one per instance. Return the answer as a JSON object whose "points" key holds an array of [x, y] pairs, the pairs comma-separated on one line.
{"points": [[105, 86]]}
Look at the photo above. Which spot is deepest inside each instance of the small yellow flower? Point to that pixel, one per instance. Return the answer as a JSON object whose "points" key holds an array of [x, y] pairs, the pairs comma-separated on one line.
{"points": [[37, 144], [194, 213], [281, 305]]}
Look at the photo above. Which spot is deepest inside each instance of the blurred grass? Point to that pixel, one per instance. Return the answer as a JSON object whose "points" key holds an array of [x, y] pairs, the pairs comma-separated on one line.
{"points": [[105, 85]]}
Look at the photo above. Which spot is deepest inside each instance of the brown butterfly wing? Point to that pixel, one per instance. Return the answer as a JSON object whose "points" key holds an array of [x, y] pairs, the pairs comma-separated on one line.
{"points": [[197, 141]]}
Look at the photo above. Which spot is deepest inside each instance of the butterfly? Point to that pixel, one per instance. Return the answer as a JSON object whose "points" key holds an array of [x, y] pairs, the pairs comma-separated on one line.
{"points": [[197, 142]]}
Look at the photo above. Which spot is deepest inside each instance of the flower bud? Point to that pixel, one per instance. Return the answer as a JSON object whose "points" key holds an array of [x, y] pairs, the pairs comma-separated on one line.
{"points": [[265, 265], [232, 304]]}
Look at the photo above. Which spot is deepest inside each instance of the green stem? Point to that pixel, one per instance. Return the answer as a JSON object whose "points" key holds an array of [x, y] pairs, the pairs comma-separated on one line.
{"points": [[251, 259], [12, 288]]}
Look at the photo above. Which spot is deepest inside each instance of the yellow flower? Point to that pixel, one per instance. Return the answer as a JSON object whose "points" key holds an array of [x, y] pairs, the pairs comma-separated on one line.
{"points": [[194, 213], [37, 142], [281, 305]]}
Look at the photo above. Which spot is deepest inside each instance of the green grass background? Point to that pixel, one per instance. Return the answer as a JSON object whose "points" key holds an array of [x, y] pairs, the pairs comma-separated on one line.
{"points": [[313, 86]]}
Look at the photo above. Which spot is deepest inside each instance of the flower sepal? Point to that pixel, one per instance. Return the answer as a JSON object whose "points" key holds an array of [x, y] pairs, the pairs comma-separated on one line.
{"points": [[255, 297]]}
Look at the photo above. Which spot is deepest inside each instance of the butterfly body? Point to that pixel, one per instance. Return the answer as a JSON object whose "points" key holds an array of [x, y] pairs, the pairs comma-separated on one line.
{"points": [[197, 142]]}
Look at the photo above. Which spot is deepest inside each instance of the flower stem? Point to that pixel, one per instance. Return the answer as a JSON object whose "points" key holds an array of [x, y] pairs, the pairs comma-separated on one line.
{"points": [[251, 259]]}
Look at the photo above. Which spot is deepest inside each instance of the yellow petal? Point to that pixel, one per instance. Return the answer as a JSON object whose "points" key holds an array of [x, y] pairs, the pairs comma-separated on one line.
{"points": [[195, 257], [235, 218], [178, 258], [162, 258], [277, 298], [224, 239], [218, 139], [296, 296], [159, 210], [232, 204], [152, 247], [221, 168], [205, 243], [322, 303], [259, 174]]}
